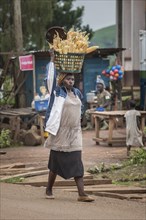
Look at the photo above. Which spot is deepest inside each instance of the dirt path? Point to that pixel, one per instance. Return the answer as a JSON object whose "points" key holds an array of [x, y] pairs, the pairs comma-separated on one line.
{"points": [[92, 154], [27, 202]]}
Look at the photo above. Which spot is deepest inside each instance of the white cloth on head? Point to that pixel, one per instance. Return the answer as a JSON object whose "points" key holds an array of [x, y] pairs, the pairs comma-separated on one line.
{"points": [[100, 80]]}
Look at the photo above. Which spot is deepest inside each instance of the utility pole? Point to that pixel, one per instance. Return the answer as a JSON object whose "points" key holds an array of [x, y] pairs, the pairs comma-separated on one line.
{"points": [[19, 48], [18, 26]]}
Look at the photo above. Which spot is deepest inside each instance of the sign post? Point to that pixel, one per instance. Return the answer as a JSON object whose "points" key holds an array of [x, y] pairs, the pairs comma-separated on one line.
{"points": [[27, 63]]}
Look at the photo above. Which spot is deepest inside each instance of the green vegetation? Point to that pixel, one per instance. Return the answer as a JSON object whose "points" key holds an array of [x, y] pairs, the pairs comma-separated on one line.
{"points": [[37, 17], [105, 37], [137, 157], [5, 139], [13, 180], [131, 171], [7, 99]]}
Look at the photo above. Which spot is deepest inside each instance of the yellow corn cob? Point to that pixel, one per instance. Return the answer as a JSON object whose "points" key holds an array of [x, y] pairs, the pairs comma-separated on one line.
{"points": [[91, 49], [76, 42]]}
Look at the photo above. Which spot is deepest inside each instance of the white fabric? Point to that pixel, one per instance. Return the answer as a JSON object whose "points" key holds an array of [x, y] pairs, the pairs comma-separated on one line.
{"points": [[50, 77], [100, 80], [53, 122], [133, 134]]}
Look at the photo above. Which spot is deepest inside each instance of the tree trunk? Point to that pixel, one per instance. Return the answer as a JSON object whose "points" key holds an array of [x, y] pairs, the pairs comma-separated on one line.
{"points": [[18, 26], [19, 47]]}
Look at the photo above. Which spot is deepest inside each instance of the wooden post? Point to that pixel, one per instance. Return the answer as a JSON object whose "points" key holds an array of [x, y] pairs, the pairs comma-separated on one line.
{"points": [[18, 26], [34, 77], [19, 47]]}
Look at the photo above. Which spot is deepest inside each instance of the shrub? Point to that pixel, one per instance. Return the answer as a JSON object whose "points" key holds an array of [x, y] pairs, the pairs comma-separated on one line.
{"points": [[5, 139], [138, 156]]}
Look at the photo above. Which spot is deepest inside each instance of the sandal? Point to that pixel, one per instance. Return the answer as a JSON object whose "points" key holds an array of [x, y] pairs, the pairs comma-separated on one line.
{"points": [[50, 197], [85, 199]]}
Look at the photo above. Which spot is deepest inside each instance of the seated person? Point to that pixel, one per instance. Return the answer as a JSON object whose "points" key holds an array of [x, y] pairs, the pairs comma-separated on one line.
{"points": [[103, 100]]}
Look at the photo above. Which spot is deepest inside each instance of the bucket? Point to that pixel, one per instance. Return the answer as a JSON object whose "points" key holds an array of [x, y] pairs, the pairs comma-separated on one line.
{"points": [[41, 105], [90, 97]]}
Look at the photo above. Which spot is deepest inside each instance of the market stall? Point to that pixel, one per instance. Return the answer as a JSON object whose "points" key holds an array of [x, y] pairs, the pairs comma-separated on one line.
{"points": [[17, 119]]}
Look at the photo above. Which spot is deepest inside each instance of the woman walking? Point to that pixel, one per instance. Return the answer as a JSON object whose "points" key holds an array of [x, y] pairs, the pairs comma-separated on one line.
{"points": [[63, 118]]}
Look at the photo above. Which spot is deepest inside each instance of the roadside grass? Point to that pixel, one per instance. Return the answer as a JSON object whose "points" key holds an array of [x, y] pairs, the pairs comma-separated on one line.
{"points": [[13, 180], [130, 172]]}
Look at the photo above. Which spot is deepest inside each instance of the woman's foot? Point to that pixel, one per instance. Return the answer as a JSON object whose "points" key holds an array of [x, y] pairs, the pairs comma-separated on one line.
{"points": [[49, 194], [85, 198]]}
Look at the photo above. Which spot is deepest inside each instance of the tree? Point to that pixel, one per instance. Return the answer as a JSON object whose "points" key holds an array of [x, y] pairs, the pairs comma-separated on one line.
{"points": [[6, 26], [19, 47], [37, 16], [18, 26], [65, 16]]}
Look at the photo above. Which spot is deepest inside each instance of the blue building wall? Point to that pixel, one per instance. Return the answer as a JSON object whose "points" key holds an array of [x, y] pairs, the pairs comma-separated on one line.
{"points": [[29, 88], [92, 68], [40, 68]]}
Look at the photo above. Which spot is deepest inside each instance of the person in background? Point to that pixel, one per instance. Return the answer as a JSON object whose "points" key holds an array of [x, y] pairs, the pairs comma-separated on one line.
{"points": [[103, 101], [133, 132], [63, 122]]}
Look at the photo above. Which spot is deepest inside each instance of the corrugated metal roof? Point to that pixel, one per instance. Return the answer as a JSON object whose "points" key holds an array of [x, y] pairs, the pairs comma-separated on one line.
{"points": [[100, 52], [104, 52], [40, 53]]}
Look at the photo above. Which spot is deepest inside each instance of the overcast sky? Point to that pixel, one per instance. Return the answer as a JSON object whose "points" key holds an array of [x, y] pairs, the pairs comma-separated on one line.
{"points": [[98, 13]]}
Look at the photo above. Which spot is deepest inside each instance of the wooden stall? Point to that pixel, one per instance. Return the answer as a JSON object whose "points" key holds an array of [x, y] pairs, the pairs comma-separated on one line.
{"points": [[17, 119]]}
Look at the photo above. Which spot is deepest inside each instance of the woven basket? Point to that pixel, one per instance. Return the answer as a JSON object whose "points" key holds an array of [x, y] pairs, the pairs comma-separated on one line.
{"points": [[69, 63], [52, 32]]}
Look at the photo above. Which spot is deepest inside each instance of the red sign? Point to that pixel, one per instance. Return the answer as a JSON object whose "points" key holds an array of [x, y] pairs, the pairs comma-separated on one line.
{"points": [[26, 62]]}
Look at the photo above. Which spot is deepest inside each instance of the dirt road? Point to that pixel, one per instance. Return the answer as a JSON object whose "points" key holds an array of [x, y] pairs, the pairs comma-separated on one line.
{"points": [[27, 202], [92, 154], [19, 202]]}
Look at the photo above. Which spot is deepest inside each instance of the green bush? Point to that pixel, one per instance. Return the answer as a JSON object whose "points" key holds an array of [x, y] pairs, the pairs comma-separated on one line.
{"points": [[5, 138], [7, 97], [13, 180], [138, 156]]}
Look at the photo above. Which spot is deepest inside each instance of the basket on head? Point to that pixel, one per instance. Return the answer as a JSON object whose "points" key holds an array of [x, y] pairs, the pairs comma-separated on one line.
{"points": [[69, 63], [53, 31]]}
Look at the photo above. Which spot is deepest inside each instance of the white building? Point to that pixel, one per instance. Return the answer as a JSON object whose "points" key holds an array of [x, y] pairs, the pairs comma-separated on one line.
{"points": [[130, 21]]}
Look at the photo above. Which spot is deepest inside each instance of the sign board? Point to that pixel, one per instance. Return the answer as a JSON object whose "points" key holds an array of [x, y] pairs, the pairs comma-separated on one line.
{"points": [[26, 63]]}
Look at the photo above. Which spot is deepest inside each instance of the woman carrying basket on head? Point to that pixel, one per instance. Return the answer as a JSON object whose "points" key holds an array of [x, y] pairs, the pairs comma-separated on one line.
{"points": [[65, 137]]}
